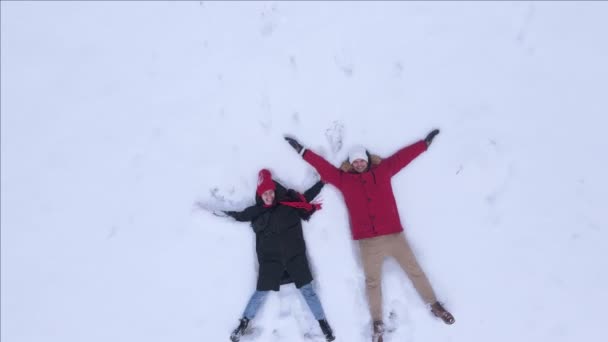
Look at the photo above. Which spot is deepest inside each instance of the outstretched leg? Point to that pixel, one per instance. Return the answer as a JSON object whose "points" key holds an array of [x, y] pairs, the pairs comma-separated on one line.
{"points": [[372, 256], [254, 304], [401, 251], [317, 310], [313, 301]]}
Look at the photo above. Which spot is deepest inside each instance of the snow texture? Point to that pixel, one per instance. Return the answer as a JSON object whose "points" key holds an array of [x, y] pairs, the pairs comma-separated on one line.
{"points": [[117, 118]]}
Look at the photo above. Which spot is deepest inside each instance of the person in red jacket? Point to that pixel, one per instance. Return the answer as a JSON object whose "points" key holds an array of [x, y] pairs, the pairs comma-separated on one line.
{"points": [[365, 184]]}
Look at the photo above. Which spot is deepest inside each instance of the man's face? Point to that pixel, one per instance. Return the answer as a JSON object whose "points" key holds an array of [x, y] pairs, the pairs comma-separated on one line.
{"points": [[268, 197], [360, 165]]}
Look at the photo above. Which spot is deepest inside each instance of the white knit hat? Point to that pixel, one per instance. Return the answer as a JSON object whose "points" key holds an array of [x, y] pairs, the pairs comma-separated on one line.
{"points": [[357, 152]]}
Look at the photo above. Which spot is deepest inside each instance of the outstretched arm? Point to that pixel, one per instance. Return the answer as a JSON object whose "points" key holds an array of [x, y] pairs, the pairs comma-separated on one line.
{"points": [[314, 191], [246, 215], [328, 172], [404, 156]]}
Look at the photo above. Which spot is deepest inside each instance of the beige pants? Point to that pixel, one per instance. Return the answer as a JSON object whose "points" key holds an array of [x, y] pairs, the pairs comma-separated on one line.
{"points": [[373, 252]]}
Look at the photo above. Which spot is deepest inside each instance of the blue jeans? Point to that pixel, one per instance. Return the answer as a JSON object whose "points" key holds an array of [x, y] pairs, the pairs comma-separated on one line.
{"points": [[258, 297]]}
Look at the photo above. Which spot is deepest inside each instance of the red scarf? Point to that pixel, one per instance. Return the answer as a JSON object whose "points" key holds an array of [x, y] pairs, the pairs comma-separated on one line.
{"points": [[303, 204]]}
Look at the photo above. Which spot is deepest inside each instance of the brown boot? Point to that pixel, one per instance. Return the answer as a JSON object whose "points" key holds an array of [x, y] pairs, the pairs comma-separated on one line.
{"points": [[439, 311], [378, 331]]}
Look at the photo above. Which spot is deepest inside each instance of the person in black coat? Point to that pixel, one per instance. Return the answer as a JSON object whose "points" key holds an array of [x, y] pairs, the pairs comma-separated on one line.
{"points": [[276, 219]]}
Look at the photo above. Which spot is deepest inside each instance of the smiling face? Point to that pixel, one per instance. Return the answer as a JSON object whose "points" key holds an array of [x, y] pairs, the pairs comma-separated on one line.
{"points": [[360, 165], [268, 197]]}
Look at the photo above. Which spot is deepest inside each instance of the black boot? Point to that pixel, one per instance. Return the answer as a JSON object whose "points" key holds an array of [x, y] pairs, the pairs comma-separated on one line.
{"points": [[326, 329], [439, 311], [240, 330], [378, 332]]}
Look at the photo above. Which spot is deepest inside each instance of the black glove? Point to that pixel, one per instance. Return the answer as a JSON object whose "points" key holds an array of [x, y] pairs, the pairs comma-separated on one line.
{"points": [[294, 143], [224, 213], [429, 138]]}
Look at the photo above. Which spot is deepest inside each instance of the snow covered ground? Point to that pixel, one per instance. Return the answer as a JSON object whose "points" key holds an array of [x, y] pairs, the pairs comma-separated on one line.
{"points": [[118, 117]]}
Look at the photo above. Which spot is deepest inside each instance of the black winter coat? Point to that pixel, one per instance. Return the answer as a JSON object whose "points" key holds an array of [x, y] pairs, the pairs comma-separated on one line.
{"points": [[280, 245]]}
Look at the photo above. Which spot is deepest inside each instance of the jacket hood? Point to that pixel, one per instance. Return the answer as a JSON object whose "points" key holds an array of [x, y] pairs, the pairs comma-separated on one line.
{"points": [[374, 161]]}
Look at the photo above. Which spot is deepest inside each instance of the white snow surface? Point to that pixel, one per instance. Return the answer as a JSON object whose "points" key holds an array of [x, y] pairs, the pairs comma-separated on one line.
{"points": [[118, 117]]}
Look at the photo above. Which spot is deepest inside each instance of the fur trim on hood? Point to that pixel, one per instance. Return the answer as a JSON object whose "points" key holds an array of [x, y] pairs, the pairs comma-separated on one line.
{"points": [[375, 160]]}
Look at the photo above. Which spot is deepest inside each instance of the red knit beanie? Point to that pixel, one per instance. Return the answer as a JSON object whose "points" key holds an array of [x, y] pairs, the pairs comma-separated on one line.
{"points": [[265, 182]]}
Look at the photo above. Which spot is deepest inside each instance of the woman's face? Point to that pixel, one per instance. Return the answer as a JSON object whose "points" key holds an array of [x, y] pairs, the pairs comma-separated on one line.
{"points": [[360, 165], [268, 197]]}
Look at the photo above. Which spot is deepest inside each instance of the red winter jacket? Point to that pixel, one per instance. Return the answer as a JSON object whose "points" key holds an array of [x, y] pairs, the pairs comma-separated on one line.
{"points": [[369, 195]]}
